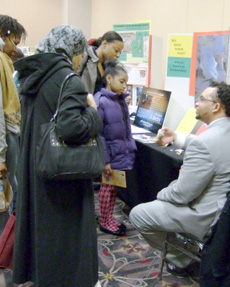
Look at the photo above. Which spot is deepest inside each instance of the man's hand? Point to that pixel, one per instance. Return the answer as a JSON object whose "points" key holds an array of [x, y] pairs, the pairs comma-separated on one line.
{"points": [[3, 169], [168, 136]]}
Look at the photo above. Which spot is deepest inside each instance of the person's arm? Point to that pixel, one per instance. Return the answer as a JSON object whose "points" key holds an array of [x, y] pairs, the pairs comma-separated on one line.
{"points": [[100, 110], [3, 145], [76, 122], [197, 170], [166, 136], [91, 102]]}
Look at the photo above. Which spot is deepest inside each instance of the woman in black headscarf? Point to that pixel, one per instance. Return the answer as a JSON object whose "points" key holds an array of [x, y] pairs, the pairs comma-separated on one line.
{"points": [[55, 237]]}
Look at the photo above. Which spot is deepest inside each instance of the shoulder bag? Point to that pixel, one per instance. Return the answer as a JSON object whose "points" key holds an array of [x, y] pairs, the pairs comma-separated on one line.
{"points": [[57, 160]]}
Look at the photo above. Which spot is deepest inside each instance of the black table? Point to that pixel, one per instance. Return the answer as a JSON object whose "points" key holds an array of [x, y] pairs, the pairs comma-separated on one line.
{"points": [[153, 170]]}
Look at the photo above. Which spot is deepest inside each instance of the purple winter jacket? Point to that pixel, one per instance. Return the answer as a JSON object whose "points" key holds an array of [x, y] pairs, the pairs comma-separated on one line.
{"points": [[116, 136]]}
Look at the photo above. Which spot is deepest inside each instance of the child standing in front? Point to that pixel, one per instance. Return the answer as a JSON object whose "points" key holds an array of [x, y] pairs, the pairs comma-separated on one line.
{"points": [[119, 146]]}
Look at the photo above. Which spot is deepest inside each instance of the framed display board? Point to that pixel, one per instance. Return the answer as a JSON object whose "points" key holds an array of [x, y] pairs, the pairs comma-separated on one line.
{"points": [[209, 60], [136, 55], [152, 108]]}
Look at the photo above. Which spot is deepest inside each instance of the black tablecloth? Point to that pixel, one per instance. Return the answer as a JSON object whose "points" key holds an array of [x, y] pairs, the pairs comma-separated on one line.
{"points": [[154, 169]]}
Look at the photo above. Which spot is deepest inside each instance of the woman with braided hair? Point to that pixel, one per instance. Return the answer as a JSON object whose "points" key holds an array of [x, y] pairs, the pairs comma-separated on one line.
{"points": [[11, 34]]}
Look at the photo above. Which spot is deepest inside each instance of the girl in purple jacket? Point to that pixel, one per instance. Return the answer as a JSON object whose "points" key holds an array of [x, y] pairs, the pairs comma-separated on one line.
{"points": [[119, 146]]}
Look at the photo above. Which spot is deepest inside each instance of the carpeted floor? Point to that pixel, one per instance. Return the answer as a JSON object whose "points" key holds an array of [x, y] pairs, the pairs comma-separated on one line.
{"points": [[124, 261], [129, 261]]}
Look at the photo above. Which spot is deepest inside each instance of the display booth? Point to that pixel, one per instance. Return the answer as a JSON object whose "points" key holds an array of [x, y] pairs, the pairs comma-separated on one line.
{"points": [[192, 62]]}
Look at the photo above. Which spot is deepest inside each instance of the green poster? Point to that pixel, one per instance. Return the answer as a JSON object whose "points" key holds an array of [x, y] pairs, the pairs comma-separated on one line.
{"points": [[131, 27], [178, 67], [137, 45], [136, 42]]}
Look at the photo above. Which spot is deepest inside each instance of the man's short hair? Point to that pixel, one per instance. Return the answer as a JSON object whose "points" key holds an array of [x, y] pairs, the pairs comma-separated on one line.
{"points": [[222, 95]]}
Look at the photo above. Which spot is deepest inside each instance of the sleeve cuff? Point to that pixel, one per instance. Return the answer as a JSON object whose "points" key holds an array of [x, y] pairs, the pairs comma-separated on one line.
{"points": [[180, 139]]}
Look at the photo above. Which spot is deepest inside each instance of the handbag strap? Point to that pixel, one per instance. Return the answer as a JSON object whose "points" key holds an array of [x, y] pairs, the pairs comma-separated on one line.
{"points": [[64, 83]]}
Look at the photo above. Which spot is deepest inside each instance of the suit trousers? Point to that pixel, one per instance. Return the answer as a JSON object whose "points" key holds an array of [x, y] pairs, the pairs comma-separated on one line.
{"points": [[153, 222]]}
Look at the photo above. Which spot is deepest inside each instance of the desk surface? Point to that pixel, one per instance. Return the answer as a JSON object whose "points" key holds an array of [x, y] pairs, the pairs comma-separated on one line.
{"points": [[153, 170]]}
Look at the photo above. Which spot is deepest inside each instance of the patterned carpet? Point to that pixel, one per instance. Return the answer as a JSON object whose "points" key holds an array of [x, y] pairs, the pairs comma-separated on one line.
{"points": [[124, 261], [129, 261]]}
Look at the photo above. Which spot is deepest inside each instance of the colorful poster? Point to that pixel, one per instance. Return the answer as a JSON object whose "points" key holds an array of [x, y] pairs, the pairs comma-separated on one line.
{"points": [[151, 109], [209, 60], [179, 56], [136, 42]]}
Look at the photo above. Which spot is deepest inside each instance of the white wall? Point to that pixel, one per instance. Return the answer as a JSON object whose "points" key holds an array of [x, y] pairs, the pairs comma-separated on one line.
{"points": [[37, 16], [40, 16], [78, 13]]}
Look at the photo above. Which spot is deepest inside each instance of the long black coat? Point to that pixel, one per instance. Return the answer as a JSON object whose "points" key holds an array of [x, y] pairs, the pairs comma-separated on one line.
{"points": [[55, 239], [215, 259]]}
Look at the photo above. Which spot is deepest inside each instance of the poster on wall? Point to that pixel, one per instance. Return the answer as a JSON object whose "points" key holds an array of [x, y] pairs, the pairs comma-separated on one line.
{"points": [[209, 60], [179, 56], [136, 54], [136, 42], [137, 75], [178, 77], [151, 109]]}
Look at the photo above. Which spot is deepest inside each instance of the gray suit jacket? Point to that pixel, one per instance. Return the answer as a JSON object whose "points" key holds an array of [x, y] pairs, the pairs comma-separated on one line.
{"points": [[197, 197]]}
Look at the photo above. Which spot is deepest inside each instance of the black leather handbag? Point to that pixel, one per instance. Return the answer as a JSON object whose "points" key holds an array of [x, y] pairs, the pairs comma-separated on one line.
{"points": [[57, 160]]}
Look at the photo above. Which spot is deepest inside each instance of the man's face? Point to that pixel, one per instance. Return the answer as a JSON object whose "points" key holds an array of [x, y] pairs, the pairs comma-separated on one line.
{"points": [[11, 43], [205, 105]]}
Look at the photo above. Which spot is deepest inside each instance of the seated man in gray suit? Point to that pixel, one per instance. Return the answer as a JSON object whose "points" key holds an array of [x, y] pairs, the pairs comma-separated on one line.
{"points": [[192, 204]]}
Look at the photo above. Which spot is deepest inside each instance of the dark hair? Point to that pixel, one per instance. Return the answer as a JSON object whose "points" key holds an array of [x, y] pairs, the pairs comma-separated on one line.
{"points": [[222, 95], [9, 25], [112, 67], [109, 37]]}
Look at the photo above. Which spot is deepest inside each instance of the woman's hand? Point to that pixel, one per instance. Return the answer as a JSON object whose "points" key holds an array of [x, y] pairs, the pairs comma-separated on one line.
{"points": [[91, 102], [168, 137]]}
